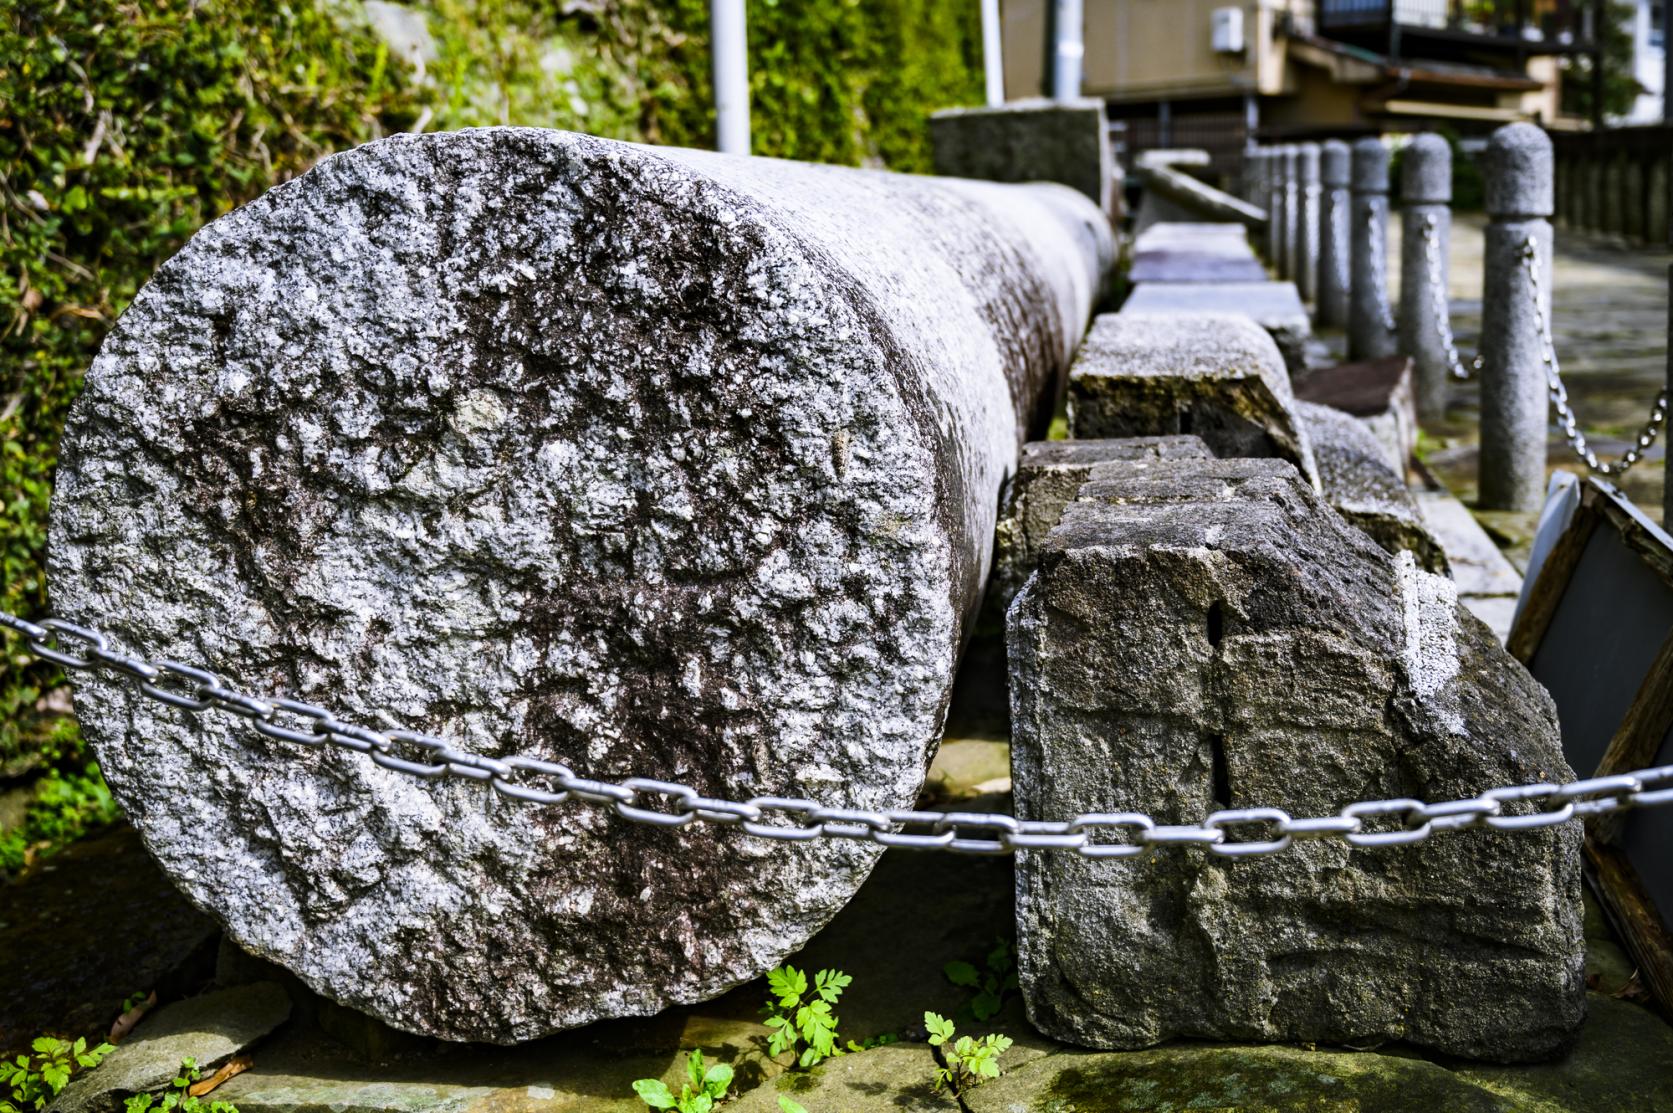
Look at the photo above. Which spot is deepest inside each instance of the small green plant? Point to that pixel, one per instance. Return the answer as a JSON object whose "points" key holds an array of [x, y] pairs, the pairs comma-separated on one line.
{"points": [[701, 1093], [177, 1099], [32, 1081], [970, 1062], [797, 1016], [991, 984], [785, 1105]]}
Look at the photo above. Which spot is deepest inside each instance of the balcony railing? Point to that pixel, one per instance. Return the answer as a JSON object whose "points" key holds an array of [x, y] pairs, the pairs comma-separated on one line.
{"points": [[1560, 24]]}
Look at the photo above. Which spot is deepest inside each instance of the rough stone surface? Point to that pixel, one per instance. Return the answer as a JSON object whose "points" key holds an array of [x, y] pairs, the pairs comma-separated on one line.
{"points": [[896, 1077], [1048, 478], [1028, 141], [1275, 306], [1210, 635], [656, 462], [210, 1029], [1355, 479], [1194, 252], [1214, 375], [1377, 391]]}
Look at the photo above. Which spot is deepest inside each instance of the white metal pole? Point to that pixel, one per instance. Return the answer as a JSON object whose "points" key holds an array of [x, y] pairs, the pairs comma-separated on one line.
{"points": [[1069, 50], [729, 47], [993, 56]]}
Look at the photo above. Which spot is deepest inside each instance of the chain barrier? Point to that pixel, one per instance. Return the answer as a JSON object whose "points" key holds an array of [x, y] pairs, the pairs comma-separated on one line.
{"points": [[1439, 307], [537, 781], [1379, 267], [1559, 394]]}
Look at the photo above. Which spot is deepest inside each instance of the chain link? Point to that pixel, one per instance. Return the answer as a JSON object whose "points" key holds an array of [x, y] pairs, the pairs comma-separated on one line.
{"points": [[1438, 303], [1559, 394], [1119, 835], [1379, 267]]}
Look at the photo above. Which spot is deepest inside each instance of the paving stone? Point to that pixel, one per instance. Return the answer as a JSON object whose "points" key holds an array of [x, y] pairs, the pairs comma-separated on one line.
{"points": [[1216, 376], [897, 1078], [209, 1029], [1478, 567], [1275, 306]]}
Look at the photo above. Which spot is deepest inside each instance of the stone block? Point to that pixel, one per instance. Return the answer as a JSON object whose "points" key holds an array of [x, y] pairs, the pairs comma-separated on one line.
{"points": [[1215, 375], [1210, 635], [1171, 195], [1356, 480], [1192, 252], [1275, 306], [1028, 141], [1048, 476], [1380, 392]]}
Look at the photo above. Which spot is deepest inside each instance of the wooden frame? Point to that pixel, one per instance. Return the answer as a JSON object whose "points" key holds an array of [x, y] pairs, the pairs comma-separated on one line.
{"points": [[1637, 740]]}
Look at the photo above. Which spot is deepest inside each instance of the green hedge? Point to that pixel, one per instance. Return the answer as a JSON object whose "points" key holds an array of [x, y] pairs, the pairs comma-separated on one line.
{"points": [[126, 124]]}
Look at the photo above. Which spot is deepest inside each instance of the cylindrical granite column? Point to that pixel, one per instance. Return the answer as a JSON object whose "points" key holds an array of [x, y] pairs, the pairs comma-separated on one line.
{"points": [[1369, 333], [654, 462], [1281, 194], [1335, 211], [1425, 232], [1307, 250], [1514, 400], [1272, 176], [1292, 211]]}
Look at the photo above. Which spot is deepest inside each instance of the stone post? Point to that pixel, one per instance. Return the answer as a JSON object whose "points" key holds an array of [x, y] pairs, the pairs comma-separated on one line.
{"points": [[1517, 169], [1334, 218], [1273, 202], [1307, 250], [1425, 230], [1368, 333], [1281, 194], [1292, 210]]}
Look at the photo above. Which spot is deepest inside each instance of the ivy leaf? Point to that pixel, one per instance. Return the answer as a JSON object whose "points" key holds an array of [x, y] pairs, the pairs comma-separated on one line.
{"points": [[654, 1093], [961, 973]]}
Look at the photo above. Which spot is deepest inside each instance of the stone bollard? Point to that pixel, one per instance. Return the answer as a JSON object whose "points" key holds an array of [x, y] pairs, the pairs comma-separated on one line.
{"points": [[1307, 240], [1292, 210], [1334, 219], [1369, 334], [1272, 202], [1517, 172], [657, 462], [1425, 232]]}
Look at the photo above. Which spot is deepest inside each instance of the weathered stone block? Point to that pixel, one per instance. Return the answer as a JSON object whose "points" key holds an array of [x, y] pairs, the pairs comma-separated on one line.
{"points": [[1355, 479], [1049, 475], [1380, 392], [1029, 141], [1215, 375], [1210, 635], [1192, 252], [1275, 306]]}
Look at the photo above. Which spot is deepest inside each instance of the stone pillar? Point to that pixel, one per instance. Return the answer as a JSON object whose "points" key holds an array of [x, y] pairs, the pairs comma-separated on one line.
{"points": [[1307, 240], [1425, 231], [1292, 211], [648, 460], [1368, 315], [1274, 205], [1335, 211], [1281, 194], [1517, 168]]}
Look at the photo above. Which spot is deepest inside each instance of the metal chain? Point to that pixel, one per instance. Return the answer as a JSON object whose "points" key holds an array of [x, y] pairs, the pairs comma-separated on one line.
{"points": [[1438, 303], [1559, 393], [1379, 267], [1265, 830]]}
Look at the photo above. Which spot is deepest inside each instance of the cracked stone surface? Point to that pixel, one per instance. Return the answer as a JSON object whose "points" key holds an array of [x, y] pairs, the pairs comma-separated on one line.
{"points": [[1206, 635], [655, 462]]}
